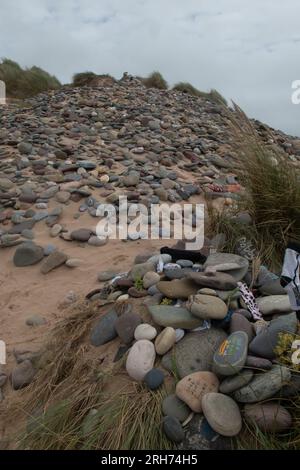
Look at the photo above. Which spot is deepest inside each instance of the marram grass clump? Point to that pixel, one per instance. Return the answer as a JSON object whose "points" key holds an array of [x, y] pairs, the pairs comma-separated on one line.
{"points": [[79, 402], [24, 83]]}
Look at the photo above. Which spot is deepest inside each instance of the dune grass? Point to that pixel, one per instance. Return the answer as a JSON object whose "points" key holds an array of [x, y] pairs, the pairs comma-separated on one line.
{"points": [[76, 403], [25, 83], [155, 80], [271, 194], [212, 95]]}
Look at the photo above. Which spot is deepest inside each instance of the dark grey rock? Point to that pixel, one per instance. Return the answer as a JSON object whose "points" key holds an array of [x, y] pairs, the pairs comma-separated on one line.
{"points": [[194, 352], [154, 378], [28, 254], [265, 342], [104, 330], [173, 429], [173, 406]]}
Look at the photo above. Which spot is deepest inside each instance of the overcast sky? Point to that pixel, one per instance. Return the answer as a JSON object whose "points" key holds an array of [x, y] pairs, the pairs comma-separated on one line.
{"points": [[246, 49]]}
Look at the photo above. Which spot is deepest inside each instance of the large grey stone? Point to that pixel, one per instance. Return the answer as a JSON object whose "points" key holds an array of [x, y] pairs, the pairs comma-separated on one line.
{"points": [[217, 280], [194, 352], [222, 413], [265, 342], [274, 304], [224, 262], [233, 383], [27, 254], [177, 317], [54, 260], [104, 330], [264, 385], [173, 406], [231, 356]]}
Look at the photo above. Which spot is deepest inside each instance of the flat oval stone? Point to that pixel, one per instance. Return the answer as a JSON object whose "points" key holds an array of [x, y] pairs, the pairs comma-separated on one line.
{"points": [[173, 429], [231, 384], [193, 387], [165, 340], [81, 234], [177, 289], [263, 385], [28, 254], [53, 261], [269, 417], [177, 317], [173, 406], [207, 307], [222, 281], [231, 356], [125, 326], [274, 304], [258, 363], [222, 413], [104, 330], [73, 263], [145, 331], [140, 359], [239, 323], [220, 262]]}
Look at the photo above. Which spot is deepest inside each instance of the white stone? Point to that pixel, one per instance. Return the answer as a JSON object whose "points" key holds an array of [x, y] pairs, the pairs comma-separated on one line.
{"points": [[140, 359]]}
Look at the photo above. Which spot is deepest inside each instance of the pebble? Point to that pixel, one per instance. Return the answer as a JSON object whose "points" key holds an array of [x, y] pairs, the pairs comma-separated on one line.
{"points": [[194, 352], [81, 234], [154, 379], [222, 413], [265, 342], [96, 241], [28, 254], [258, 363], [104, 330], [150, 279], [274, 304], [73, 262], [179, 334], [173, 429], [264, 385], [268, 417], [240, 323], [140, 359], [177, 317], [173, 406], [35, 320], [106, 276], [145, 331], [53, 261], [231, 356], [22, 375], [214, 280], [165, 340], [177, 289], [232, 383], [126, 325], [216, 260], [193, 387], [207, 307], [55, 230]]}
